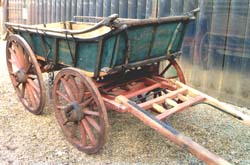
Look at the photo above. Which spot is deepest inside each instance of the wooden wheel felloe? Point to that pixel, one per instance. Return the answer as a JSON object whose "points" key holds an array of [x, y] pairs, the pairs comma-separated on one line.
{"points": [[25, 74], [80, 110], [173, 71]]}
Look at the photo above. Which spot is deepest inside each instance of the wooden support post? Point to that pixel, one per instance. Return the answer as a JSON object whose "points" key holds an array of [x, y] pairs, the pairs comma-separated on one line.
{"points": [[170, 133]]}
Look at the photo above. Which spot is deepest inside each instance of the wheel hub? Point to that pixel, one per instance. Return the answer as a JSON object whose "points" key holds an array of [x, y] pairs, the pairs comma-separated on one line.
{"points": [[21, 76], [73, 112]]}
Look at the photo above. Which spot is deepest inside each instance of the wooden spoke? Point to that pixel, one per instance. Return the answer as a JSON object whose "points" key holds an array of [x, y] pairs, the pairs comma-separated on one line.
{"points": [[81, 92], [30, 96], [74, 86], [89, 132], [63, 96], [83, 135], [172, 77], [14, 58], [32, 76], [74, 129], [93, 123], [87, 102], [17, 84], [93, 113], [22, 90], [68, 89], [33, 84]]}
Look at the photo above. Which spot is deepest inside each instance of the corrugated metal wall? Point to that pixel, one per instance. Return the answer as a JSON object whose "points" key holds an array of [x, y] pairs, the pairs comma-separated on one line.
{"points": [[216, 49]]}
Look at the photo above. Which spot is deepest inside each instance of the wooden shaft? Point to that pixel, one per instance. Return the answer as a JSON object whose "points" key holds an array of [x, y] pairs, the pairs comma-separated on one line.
{"points": [[170, 133], [161, 99], [180, 107], [228, 109]]}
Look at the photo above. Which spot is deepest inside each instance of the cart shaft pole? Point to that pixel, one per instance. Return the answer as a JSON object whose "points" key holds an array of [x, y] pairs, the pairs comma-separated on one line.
{"points": [[169, 132], [216, 103]]}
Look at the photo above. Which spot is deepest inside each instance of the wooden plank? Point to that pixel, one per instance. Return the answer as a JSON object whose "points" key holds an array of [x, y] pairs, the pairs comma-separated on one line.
{"points": [[199, 71], [58, 11], [176, 7], [164, 7], [37, 12], [244, 78], [99, 8], [149, 7], [161, 99], [33, 11], [73, 8], [188, 42], [180, 107], [222, 106], [115, 7], [234, 50], [53, 12], [45, 12], [63, 10], [68, 13], [170, 133], [79, 9], [86, 7], [132, 8], [92, 8], [141, 9], [106, 8], [123, 9], [49, 11], [216, 57]]}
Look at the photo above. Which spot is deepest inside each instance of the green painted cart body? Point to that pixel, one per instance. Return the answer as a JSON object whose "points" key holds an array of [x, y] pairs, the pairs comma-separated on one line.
{"points": [[128, 43]]}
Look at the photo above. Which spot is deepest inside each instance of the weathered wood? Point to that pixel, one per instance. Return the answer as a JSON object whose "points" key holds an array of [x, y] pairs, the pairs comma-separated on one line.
{"points": [[224, 107], [132, 8], [170, 133], [106, 8], [234, 49]]}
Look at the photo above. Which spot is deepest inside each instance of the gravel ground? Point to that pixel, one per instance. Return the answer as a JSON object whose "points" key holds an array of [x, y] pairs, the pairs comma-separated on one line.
{"points": [[26, 138]]}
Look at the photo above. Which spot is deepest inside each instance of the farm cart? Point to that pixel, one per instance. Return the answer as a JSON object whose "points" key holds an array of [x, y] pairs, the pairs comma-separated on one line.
{"points": [[113, 64]]}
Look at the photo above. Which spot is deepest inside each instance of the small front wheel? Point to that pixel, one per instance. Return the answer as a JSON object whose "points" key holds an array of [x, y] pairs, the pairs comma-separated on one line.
{"points": [[80, 110]]}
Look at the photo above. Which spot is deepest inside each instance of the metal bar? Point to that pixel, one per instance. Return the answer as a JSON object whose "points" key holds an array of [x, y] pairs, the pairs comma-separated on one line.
{"points": [[169, 132], [180, 107]]}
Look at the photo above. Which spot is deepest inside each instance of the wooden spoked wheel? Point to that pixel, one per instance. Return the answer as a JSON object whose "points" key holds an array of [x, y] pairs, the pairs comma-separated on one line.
{"points": [[25, 74], [172, 70], [80, 110]]}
